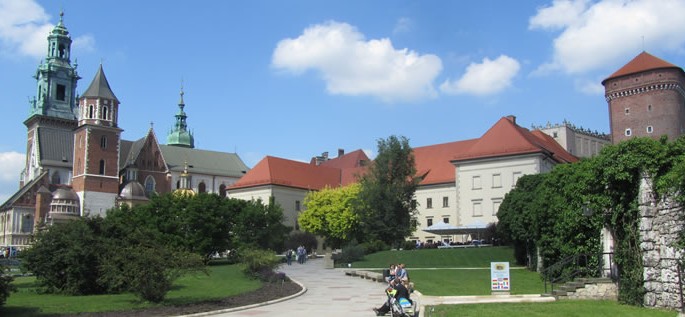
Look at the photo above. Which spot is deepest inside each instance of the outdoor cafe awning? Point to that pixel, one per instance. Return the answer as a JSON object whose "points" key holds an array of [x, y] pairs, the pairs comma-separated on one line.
{"points": [[446, 229]]}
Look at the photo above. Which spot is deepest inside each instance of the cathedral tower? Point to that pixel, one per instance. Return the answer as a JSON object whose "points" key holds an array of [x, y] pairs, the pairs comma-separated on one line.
{"points": [[96, 148], [646, 99], [179, 135], [52, 112]]}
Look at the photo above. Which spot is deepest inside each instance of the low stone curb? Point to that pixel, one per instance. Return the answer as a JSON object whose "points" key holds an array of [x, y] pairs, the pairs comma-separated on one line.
{"points": [[234, 309]]}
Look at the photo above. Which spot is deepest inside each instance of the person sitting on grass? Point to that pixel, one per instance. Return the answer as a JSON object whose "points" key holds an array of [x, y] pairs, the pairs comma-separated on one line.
{"points": [[396, 290]]}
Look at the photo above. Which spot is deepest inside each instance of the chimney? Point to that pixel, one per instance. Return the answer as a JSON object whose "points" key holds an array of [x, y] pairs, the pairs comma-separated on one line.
{"points": [[512, 118], [325, 155], [341, 152]]}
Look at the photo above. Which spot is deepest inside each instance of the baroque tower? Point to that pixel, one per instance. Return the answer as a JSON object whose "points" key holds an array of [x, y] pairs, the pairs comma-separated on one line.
{"points": [[646, 99], [96, 148], [179, 135], [52, 112]]}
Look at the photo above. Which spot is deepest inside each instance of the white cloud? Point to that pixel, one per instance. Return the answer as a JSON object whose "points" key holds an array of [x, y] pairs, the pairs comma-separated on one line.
{"points": [[352, 65], [486, 78], [12, 164], [594, 36], [24, 27], [590, 87], [403, 25]]}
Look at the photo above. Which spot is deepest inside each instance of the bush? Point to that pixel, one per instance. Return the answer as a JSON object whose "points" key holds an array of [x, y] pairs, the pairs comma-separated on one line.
{"points": [[298, 238], [259, 263], [351, 253], [374, 246], [409, 245], [6, 286]]}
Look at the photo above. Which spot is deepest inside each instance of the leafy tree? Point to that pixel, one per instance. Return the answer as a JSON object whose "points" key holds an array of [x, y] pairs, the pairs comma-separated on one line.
{"points": [[301, 238], [387, 193], [258, 225], [6, 286], [331, 213]]}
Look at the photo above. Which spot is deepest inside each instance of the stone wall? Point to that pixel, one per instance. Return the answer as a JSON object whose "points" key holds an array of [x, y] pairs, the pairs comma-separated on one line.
{"points": [[660, 223]]}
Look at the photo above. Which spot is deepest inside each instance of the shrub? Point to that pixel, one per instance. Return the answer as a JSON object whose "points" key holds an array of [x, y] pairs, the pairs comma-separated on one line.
{"points": [[259, 263], [374, 246], [298, 238], [351, 253], [409, 245], [6, 286]]}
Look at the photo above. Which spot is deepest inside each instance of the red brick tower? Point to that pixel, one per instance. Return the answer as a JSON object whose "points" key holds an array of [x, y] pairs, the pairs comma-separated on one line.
{"points": [[646, 99], [96, 148]]}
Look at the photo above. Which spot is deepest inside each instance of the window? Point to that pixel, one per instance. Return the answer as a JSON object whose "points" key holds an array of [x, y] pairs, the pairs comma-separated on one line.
{"points": [[103, 115], [429, 222], [102, 167], [55, 178], [429, 203], [149, 185], [555, 134], [103, 142], [297, 206], [516, 177], [91, 109], [650, 129], [628, 132], [496, 202], [475, 182], [446, 219], [445, 202], [496, 180], [61, 93], [222, 190], [477, 206], [202, 188], [649, 107], [627, 110]]}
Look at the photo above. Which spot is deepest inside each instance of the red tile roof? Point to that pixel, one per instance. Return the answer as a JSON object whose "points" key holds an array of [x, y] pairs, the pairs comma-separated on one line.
{"points": [[643, 62], [278, 171], [507, 138], [433, 161], [352, 159]]}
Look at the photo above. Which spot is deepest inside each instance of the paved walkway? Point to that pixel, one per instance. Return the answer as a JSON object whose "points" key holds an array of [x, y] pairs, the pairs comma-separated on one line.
{"points": [[331, 293]]}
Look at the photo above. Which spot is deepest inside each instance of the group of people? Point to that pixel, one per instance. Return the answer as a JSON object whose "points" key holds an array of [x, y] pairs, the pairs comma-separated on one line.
{"points": [[398, 288], [300, 255]]}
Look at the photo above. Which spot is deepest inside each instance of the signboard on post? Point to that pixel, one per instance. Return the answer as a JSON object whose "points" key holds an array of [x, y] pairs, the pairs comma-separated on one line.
{"points": [[499, 277]]}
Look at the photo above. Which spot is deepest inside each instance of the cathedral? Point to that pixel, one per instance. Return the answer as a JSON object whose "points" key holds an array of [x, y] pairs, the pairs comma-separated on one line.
{"points": [[78, 165]]}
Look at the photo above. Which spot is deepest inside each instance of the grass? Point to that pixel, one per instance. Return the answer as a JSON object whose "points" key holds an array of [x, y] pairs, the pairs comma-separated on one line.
{"points": [[564, 308], [445, 282], [440, 258], [223, 281]]}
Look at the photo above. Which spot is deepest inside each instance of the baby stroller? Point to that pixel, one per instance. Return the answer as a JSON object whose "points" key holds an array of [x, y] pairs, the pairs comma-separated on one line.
{"points": [[402, 307]]}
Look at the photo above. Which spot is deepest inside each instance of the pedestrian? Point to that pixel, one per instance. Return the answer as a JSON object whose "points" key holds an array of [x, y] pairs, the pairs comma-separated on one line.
{"points": [[289, 256]]}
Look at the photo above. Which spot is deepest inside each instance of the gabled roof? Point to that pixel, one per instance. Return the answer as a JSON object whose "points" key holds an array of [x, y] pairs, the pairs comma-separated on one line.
{"points": [[642, 62], [203, 161], [278, 171], [506, 138], [99, 87], [350, 160], [38, 181], [433, 161]]}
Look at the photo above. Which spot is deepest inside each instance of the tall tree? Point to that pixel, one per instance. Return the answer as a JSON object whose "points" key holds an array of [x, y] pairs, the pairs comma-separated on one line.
{"points": [[387, 193], [331, 214]]}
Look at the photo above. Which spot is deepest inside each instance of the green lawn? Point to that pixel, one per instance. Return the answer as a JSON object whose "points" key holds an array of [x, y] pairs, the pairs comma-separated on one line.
{"points": [[223, 281], [564, 308], [472, 282], [439, 258]]}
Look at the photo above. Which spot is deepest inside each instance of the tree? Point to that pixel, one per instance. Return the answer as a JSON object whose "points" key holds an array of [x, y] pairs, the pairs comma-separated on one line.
{"points": [[331, 213], [387, 192], [258, 225], [6, 286]]}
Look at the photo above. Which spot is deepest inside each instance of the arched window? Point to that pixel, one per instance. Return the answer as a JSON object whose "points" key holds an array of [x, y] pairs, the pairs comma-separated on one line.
{"points": [[103, 142], [90, 111], [178, 184], [102, 167], [201, 188], [62, 51], [149, 185], [222, 190], [55, 178], [104, 113]]}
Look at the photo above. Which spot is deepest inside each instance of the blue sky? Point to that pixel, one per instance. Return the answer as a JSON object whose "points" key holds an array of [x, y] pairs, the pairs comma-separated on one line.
{"points": [[294, 79]]}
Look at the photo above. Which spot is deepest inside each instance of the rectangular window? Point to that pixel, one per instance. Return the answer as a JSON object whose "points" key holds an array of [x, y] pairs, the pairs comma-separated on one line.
{"points": [[515, 177], [496, 180], [429, 203], [297, 205], [446, 219], [61, 93], [496, 202], [445, 202], [477, 208], [475, 182], [429, 222]]}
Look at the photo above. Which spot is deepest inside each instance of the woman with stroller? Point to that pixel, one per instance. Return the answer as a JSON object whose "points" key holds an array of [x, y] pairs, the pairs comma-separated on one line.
{"points": [[396, 290]]}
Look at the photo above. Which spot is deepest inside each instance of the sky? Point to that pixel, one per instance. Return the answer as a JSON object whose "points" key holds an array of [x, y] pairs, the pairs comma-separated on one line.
{"points": [[294, 79]]}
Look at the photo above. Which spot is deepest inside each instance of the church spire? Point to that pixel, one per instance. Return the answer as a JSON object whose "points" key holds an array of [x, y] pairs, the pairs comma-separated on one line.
{"points": [[179, 135]]}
